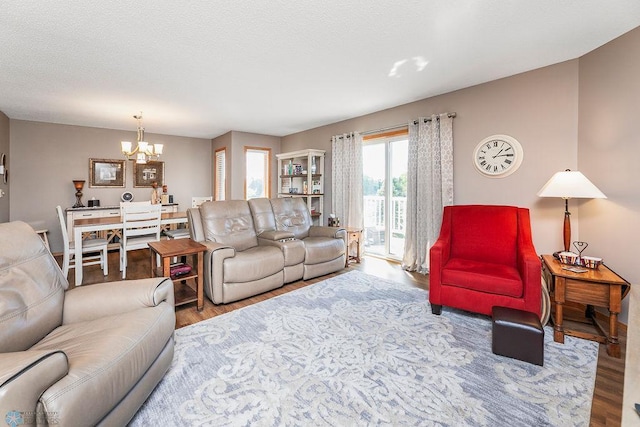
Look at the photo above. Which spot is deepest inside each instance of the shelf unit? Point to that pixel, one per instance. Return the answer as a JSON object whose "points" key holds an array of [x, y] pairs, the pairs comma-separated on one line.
{"points": [[301, 174]]}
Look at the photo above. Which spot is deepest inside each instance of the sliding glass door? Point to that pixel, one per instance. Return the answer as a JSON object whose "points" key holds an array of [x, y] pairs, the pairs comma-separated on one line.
{"points": [[385, 195]]}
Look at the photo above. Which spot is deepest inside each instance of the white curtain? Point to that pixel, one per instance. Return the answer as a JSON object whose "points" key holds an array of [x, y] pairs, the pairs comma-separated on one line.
{"points": [[429, 187], [346, 180]]}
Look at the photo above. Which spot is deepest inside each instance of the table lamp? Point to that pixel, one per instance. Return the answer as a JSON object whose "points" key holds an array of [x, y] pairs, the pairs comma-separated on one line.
{"points": [[570, 184], [79, 185]]}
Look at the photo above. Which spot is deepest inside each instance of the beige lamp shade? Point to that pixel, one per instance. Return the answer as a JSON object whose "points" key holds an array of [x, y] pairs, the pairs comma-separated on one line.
{"points": [[570, 184]]}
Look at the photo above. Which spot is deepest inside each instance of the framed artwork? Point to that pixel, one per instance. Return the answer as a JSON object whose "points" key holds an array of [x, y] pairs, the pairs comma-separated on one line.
{"points": [[106, 173], [145, 174]]}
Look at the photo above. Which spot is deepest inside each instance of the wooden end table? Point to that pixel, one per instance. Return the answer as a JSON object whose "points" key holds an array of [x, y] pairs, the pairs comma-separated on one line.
{"points": [[168, 249], [354, 235], [596, 287]]}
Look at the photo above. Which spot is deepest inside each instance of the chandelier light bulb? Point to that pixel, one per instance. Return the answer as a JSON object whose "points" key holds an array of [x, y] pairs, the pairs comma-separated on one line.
{"points": [[126, 146]]}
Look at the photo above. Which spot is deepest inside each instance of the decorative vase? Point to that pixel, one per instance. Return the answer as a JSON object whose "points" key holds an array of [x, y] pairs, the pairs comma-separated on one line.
{"points": [[79, 185]]}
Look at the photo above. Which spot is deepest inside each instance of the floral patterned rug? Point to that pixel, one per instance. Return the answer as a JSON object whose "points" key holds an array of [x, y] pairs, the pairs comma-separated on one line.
{"points": [[361, 350]]}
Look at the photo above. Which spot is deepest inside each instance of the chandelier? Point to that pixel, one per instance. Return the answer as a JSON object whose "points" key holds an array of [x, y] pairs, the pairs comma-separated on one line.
{"points": [[144, 151]]}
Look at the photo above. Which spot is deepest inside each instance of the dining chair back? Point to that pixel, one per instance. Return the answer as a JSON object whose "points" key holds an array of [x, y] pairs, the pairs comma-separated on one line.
{"points": [[91, 245], [140, 226], [197, 201]]}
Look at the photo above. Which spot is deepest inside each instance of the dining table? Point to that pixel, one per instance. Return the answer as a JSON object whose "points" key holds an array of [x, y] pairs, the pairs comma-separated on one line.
{"points": [[93, 225]]}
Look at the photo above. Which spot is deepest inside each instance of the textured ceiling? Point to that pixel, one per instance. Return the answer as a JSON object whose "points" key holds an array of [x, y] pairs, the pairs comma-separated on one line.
{"points": [[203, 68]]}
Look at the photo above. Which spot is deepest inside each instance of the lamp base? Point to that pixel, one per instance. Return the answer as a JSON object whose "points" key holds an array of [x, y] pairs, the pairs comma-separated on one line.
{"points": [[78, 200], [566, 228]]}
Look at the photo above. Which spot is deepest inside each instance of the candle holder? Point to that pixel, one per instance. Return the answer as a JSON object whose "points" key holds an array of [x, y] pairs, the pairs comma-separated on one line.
{"points": [[79, 185]]}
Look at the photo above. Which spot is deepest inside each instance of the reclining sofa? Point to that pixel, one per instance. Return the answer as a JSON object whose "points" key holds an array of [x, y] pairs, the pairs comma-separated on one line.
{"points": [[259, 245], [81, 357]]}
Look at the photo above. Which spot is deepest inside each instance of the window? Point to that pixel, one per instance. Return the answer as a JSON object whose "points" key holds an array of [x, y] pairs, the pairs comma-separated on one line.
{"points": [[257, 168], [220, 181]]}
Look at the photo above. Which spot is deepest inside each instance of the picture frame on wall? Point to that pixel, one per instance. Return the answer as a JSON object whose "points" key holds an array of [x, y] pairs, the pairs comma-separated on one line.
{"points": [[107, 173], [145, 174]]}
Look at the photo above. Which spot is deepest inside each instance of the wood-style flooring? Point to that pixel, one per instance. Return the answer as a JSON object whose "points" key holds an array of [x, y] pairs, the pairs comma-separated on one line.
{"points": [[607, 400]]}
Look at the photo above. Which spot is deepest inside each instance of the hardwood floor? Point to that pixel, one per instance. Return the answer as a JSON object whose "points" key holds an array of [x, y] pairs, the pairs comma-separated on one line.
{"points": [[607, 400]]}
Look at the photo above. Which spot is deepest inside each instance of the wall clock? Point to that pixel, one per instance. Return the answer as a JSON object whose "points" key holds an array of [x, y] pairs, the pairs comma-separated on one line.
{"points": [[126, 196], [498, 156]]}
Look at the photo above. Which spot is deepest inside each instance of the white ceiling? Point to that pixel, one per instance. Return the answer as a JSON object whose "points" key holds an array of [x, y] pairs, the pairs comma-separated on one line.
{"points": [[202, 68]]}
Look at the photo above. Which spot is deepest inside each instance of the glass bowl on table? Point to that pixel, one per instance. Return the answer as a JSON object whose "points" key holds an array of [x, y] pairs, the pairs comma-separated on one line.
{"points": [[567, 257], [591, 262]]}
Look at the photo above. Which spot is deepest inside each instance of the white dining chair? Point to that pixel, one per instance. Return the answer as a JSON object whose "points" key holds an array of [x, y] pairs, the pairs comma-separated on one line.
{"points": [[140, 226], [197, 201], [93, 245]]}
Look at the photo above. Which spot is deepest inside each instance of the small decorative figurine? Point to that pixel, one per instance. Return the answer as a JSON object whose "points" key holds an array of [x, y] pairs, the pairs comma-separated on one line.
{"points": [[156, 196]]}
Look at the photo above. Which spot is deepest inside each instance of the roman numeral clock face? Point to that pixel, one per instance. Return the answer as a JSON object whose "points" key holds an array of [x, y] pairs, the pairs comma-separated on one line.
{"points": [[498, 156]]}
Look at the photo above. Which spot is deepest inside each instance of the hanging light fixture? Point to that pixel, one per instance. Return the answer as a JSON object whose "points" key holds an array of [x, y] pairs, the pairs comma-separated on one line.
{"points": [[144, 151]]}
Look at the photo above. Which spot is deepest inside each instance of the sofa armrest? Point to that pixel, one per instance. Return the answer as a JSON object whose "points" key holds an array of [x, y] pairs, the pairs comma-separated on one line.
{"points": [[333, 232], [324, 231], [25, 375], [292, 249], [530, 268], [528, 264], [276, 235], [195, 224], [106, 299], [219, 252], [439, 254], [214, 268]]}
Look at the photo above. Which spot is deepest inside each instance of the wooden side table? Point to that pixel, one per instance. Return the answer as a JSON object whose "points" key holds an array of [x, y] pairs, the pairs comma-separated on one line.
{"points": [[601, 287], [354, 235], [168, 249]]}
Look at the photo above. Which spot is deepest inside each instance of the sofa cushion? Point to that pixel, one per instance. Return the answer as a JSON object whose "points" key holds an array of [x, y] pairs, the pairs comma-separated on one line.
{"points": [[31, 288], [483, 277], [253, 264], [107, 357], [229, 222], [263, 219], [322, 249], [292, 214]]}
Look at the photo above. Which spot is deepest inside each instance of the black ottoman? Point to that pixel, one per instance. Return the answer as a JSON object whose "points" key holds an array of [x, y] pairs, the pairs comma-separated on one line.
{"points": [[517, 334]]}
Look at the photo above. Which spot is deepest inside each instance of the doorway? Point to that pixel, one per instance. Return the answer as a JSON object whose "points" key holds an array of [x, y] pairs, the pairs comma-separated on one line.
{"points": [[385, 195]]}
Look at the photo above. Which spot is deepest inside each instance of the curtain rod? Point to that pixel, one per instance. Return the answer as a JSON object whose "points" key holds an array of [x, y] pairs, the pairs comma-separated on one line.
{"points": [[415, 122]]}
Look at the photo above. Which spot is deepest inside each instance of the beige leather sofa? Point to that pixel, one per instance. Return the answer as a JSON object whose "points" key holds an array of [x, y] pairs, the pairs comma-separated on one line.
{"points": [[80, 357], [248, 253], [325, 247]]}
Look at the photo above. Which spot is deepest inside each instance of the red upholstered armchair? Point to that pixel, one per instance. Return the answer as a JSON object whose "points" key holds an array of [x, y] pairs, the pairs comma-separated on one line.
{"points": [[484, 257]]}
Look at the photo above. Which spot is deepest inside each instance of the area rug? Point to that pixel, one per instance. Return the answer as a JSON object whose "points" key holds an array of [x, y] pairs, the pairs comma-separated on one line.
{"points": [[360, 350]]}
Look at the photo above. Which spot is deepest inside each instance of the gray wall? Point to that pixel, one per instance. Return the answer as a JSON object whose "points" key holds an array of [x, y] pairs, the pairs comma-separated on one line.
{"points": [[235, 142], [46, 157], [4, 148], [608, 153], [538, 108]]}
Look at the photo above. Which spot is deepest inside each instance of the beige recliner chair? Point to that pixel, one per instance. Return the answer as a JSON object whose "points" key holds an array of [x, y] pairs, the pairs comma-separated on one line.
{"points": [[325, 247], [85, 356], [237, 265]]}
